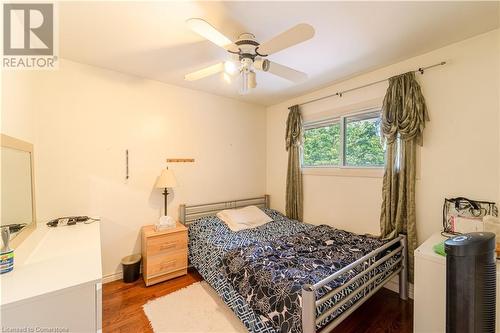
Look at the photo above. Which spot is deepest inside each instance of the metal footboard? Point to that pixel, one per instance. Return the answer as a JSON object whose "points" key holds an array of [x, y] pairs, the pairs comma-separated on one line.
{"points": [[367, 281]]}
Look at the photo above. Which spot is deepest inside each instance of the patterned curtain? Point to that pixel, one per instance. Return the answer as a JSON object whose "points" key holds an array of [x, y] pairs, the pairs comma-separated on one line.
{"points": [[294, 197], [403, 120]]}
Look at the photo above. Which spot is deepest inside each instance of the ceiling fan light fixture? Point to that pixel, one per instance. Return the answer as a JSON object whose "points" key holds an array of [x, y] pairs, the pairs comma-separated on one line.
{"points": [[206, 30], [261, 64], [252, 80], [244, 89]]}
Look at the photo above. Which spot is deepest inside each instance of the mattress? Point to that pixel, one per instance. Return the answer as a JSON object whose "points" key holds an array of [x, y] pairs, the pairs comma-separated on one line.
{"points": [[210, 241]]}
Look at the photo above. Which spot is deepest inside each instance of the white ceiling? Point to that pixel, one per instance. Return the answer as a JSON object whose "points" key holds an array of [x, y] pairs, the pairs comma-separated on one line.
{"points": [[151, 39]]}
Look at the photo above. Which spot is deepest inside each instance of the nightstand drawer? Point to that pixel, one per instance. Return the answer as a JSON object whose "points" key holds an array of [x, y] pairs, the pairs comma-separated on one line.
{"points": [[162, 264], [166, 244]]}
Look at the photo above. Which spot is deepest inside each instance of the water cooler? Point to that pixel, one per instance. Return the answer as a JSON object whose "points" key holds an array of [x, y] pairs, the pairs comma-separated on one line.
{"points": [[470, 283]]}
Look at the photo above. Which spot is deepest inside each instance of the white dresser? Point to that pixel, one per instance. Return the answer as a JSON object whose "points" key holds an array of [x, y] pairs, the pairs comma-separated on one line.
{"points": [[430, 289], [56, 282]]}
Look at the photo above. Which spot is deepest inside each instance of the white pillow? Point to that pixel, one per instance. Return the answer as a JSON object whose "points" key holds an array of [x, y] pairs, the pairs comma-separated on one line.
{"points": [[243, 218]]}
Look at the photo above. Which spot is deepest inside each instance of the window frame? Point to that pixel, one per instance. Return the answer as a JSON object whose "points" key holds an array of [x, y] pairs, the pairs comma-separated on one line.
{"points": [[341, 120]]}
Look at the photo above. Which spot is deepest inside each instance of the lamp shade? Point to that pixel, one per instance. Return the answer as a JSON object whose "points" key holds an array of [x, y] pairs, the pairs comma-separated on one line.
{"points": [[166, 179]]}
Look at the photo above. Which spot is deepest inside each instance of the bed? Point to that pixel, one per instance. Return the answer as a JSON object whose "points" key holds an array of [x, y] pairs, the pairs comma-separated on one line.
{"points": [[289, 276]]}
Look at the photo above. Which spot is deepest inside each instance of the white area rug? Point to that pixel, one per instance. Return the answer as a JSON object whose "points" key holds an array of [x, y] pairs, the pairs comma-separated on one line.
{"points": [[196, 308]]}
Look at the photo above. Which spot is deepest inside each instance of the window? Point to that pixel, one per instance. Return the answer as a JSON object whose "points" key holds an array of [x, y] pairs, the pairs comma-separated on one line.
{"points": [[348, 141], [363, 146], [322, 145]]}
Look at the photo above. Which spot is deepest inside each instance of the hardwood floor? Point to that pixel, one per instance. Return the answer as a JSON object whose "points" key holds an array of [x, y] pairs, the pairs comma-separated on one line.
{"points": [[383, 312], [122, 308], [122, 302]]}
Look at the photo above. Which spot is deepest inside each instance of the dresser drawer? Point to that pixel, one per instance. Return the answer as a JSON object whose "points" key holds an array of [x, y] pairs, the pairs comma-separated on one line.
{"points": [[162, 264], [165, 244]]}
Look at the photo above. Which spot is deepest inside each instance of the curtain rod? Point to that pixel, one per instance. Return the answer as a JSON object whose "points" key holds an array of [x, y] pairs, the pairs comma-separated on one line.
{"points": [[421, 70]]}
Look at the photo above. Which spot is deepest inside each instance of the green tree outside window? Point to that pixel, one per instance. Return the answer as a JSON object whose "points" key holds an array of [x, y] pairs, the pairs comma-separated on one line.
{"points": [[322, 146]]}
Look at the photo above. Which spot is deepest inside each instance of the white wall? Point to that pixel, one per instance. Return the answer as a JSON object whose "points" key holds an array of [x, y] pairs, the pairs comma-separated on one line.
{"points": [[84, 119], [461, 142], [18, 108]]}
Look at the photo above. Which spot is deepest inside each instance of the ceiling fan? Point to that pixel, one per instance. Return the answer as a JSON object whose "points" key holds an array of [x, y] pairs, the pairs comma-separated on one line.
{"points": [[248, 55]]}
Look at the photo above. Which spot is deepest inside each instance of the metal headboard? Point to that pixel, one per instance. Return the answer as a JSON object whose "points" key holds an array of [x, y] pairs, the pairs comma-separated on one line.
{"points": [[188, 214]]}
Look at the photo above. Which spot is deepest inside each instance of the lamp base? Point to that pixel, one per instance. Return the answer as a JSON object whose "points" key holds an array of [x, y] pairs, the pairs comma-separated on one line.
{"points": [[165, 223]]}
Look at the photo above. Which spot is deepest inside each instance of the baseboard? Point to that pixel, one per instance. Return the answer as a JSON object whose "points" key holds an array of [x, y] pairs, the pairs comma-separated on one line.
{"points": [[393, 285], [112, 277], [116, 276]]}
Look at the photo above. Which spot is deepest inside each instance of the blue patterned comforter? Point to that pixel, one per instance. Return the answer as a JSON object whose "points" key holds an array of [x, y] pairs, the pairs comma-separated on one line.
{"points": [[210, 239], [274, 261], [270, 275]]}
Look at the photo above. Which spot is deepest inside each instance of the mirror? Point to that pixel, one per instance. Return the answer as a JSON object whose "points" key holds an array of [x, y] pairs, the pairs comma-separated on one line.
{"points": [[17, 188]]}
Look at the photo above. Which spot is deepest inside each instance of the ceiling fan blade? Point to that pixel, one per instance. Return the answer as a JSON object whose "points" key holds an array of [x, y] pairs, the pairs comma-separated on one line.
{"points": [[297, 34], [286, 72], [204, 72], [206, 30]]}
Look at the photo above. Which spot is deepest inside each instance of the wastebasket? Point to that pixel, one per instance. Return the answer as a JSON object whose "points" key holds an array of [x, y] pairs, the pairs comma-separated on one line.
{"points": [[131, 268]]}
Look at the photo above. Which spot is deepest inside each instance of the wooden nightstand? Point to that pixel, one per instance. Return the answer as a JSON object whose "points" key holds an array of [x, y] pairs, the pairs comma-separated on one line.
{"points": [[164, 253]]}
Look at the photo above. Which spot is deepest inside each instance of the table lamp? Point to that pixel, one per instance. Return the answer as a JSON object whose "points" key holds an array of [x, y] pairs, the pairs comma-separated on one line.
{"points": [[165, 181]]}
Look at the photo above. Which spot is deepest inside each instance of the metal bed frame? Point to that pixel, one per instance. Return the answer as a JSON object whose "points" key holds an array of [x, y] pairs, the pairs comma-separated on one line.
{"points": [[366, 281], [369, 262], [189, 214]]}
